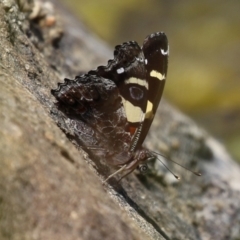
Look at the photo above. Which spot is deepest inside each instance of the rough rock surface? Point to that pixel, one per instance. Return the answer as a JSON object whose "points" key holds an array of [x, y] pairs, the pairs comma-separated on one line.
{"points": [[47, 189]]}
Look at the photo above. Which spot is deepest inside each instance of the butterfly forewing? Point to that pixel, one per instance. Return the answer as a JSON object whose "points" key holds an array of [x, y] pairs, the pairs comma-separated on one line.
{"points": [[156, 51], [128, 71]]}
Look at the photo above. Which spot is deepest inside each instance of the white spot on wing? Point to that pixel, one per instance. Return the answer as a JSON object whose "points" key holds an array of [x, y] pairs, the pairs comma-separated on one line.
{"points": [[165, 52], [158, 75], [140, 59], [146, 61], [120, 70], [137, 81]]}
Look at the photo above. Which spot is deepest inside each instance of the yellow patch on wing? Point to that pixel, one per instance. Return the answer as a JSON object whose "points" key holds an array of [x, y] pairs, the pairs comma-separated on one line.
{"points": [[149, 113], [133, 113], [158, 75], [137, 81]]}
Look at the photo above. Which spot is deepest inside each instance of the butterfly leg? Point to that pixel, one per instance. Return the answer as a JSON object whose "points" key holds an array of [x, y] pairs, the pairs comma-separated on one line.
{"points": [[118, 171], [126, 174]]}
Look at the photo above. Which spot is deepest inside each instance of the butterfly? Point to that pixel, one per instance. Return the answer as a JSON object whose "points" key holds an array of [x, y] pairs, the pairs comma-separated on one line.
{"points": [[119, 101]]}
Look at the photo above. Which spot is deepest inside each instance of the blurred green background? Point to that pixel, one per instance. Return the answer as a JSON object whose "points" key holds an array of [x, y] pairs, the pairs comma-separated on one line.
{"points": [[204, 37]]}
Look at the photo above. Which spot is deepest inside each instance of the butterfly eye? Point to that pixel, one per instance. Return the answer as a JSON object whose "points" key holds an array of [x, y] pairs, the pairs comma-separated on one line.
{"points": [[143, 168]]}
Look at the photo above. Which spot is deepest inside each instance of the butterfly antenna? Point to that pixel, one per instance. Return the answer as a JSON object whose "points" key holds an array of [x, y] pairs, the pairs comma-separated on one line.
{"points": [[176, 176], [195, 173]]}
